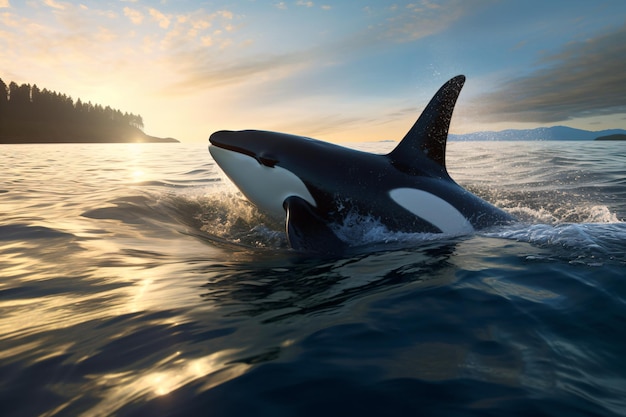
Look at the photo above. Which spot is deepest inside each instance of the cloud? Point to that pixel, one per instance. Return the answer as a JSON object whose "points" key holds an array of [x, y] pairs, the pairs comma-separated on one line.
{"points": [[160, 18], [195, 29], [82, 43], [420, 19], [202, 69], [305, 3], [135, 16], [55, 5], [584, 79], [4, 4], [226, 14], [7, 19]]}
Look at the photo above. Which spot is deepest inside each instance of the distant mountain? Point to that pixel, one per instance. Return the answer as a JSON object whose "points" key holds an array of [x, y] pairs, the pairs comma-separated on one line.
{"points": [[541, 133]]}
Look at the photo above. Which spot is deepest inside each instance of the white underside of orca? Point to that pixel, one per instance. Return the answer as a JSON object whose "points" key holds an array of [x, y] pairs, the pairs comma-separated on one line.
{"points": [[267, 187], [433, 209]]}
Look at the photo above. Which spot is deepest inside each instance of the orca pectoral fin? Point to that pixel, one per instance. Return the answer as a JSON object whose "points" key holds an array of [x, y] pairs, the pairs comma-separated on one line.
{"points": [[307, 231]]}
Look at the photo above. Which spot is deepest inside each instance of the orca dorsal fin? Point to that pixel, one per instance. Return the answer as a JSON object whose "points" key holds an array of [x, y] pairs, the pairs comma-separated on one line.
{"points": [[429, 134]]}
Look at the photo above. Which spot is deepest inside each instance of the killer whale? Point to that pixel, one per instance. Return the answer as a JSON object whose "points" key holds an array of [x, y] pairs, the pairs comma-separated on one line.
{"points": [[314, 184]]}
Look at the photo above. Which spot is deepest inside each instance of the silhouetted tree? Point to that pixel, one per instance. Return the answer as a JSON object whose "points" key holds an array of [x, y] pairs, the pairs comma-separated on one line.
{"points": [[4, 99], [3, 94]]}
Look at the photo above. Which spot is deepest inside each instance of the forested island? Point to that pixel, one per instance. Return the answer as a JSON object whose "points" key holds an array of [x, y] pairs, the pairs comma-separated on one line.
{"points": [[612, 137], [32, 115]]}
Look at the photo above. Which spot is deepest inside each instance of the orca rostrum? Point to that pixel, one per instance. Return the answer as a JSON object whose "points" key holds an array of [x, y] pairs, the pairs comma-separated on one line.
{"points": [[315, 185]]}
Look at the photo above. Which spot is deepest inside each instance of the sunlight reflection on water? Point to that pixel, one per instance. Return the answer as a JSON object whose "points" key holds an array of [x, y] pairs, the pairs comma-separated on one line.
{"points": [[119, 389]]}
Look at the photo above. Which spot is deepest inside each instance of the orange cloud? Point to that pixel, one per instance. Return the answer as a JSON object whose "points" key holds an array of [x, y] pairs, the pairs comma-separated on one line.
{"points": [[161, 19], [135, 16], [54, 4]]}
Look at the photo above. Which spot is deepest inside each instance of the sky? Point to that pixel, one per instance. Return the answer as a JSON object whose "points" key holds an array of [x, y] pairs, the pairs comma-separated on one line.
{"points": [[349, 70]]}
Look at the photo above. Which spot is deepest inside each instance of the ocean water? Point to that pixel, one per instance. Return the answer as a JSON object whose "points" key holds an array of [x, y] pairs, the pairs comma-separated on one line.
{"points": [[135, 280]]}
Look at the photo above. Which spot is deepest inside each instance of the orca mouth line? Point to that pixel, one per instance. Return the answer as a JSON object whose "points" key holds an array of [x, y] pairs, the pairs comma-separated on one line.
{"points": [[233, 148], [263, 160]]}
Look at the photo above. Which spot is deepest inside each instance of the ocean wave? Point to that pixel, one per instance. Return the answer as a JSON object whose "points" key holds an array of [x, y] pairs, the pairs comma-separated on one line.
{"points": [[228, 218]]}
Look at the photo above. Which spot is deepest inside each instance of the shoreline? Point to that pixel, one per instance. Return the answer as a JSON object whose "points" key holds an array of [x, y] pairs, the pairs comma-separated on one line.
{"points": [[137, 139]]}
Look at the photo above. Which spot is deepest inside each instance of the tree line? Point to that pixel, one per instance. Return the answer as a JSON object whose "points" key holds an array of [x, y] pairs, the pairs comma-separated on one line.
{"points": [[31, 114]]}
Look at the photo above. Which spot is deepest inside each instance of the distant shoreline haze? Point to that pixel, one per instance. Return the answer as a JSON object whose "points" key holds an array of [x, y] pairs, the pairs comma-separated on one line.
{"points": [[557, 133], [31, 115]]}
